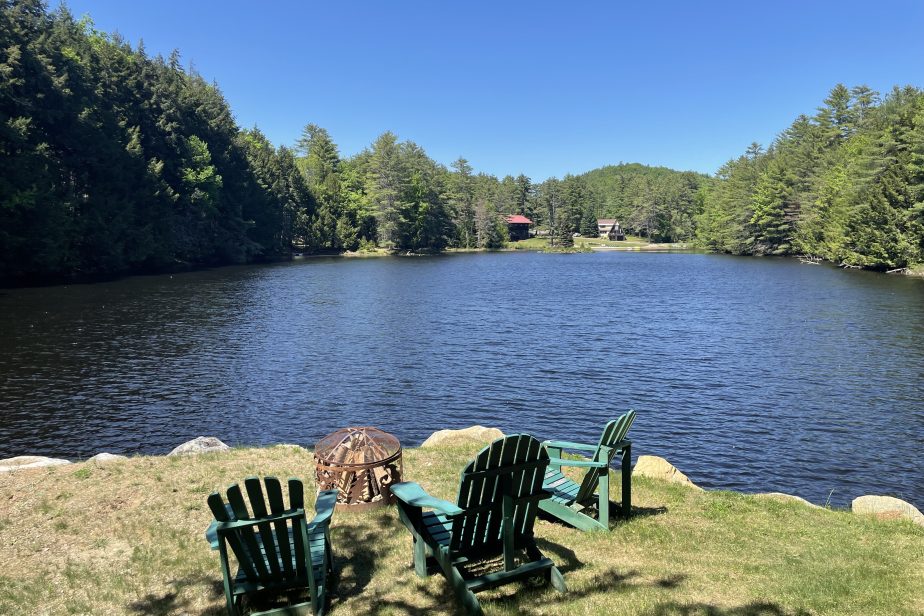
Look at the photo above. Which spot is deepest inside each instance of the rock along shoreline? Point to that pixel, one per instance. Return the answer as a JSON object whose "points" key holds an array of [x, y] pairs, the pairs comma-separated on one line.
{"points": [[653, 467]]}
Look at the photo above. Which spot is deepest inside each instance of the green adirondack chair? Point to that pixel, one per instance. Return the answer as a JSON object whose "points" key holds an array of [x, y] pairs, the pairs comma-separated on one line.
{"points": [[570, 502], [493, 516], [275, 547]]}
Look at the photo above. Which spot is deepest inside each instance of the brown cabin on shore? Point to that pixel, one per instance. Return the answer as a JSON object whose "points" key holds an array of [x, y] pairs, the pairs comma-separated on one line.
{"points": [[610, 229], [518, 227]]}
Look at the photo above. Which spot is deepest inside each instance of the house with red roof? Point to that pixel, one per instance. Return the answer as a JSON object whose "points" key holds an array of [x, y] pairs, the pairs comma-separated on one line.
{"points": [[518, 227]]}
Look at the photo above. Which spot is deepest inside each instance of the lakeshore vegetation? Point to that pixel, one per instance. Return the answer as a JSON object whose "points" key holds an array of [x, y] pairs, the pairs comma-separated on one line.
{"points": [[117, 162]]}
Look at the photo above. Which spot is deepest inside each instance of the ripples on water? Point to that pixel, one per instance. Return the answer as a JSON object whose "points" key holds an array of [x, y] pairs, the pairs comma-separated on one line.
{"points": [[748, 374]]}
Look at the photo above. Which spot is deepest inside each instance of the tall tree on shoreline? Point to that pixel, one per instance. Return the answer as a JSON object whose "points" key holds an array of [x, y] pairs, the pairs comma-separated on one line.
{"points": [[845, 185], [463, 203]]}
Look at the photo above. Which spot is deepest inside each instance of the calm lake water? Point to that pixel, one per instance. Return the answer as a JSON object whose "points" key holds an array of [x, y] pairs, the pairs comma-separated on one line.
{"points": [[748, 374]]}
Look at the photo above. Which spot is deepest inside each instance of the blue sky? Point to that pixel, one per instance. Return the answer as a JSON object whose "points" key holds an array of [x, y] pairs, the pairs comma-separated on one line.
{"points": [[542, 88]]}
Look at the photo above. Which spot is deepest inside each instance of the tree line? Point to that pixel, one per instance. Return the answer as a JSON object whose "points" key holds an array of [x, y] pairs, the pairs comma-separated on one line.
{"points": [[845, 185], [115, 162]]}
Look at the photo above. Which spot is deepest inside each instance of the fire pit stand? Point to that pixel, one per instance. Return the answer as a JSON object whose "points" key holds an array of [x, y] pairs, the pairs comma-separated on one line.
{"points": [[360, 463]]}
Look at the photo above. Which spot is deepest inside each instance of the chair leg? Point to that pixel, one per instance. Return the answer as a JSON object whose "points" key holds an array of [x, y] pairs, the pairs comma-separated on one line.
{"points": [[226, 579], [603, 499], [420, 556], [557, 580], [330, 552], [627, 481], [466, 597]]}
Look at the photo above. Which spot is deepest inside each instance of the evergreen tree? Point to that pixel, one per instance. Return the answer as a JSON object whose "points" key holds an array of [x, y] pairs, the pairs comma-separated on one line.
{"points": [[491, 229], [463, 203], [771, 226], [385, 184], [331, 228]]}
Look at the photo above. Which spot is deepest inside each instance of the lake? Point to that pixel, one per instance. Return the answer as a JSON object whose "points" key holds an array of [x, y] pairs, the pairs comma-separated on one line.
{"points": [[748, 374]]}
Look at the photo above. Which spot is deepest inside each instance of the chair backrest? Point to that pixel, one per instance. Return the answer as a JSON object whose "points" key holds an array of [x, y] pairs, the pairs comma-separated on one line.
{"points": [[263, 549], [499, 491], [613, 433]]}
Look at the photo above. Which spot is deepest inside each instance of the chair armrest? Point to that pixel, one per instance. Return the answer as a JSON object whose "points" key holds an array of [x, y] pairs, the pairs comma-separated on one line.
{"points": [[324, 507], [222, 527], [412, 494], [211, 534], [578, 463], [567, 445]]}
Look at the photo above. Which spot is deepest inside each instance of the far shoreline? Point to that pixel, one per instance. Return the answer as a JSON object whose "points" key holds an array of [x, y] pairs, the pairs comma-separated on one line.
{"points": [[581, 247]]}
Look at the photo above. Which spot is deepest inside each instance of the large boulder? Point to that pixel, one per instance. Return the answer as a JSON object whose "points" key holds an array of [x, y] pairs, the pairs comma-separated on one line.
{"points": [[789, 498], [887, 508], [102, 458], [659, 468], [466, 435], [200, 444], [29, 462]]}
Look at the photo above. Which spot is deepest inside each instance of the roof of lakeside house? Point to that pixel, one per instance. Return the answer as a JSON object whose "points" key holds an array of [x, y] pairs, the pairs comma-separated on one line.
{"points": [[518, 219], [609, 222]]}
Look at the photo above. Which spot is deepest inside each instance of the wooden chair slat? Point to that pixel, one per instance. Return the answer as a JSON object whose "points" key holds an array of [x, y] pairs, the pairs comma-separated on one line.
{"points": [[254, 489], [277, 507], [246, 535], [296, 494]]}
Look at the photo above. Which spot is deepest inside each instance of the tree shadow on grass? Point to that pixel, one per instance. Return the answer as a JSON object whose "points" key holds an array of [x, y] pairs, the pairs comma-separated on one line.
{"points": [[757, 608], [538, 599], [355, 568], [426, 601], [565, 558], [171, 602]]}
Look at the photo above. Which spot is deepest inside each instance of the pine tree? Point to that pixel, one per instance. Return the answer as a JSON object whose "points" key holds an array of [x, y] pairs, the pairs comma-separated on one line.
{"points": [[463, 203], [771, 227], [589, 226], [385, 184]]}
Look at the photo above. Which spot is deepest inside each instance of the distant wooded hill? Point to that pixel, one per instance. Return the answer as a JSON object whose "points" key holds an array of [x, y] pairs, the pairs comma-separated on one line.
{"points": [[654, 202]]}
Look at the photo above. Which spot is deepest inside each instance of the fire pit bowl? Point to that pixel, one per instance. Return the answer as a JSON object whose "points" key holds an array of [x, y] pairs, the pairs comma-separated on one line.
{"points": [[360, 463]]}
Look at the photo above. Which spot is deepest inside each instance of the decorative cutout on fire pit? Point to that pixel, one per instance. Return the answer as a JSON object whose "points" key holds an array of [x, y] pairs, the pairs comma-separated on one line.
{"points": [[360, 463]]}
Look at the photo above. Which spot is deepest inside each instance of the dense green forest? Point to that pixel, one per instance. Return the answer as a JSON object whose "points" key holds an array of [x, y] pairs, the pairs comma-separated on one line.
{"points": [[846, 185], [117, 162], [114, 161]]}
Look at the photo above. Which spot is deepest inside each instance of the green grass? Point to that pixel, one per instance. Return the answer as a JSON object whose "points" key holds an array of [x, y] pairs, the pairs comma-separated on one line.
{"points": [[126, 538]]}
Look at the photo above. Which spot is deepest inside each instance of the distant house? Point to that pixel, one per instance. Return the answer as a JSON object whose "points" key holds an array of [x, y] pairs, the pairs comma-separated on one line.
{"points": [[610, 229], [518, 227]]}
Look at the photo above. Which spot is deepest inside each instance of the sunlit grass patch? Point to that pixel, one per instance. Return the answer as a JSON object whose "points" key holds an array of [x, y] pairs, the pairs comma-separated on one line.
{"points": [[127, 538]]}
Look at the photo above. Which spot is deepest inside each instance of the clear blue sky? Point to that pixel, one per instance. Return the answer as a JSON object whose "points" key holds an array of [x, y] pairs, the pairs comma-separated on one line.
{"points": [[543, 88]]}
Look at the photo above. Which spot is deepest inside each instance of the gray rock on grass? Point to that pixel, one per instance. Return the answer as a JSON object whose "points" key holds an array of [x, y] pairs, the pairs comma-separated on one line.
{"points": [[656, 467], [20, 463], [473, 433], [200, 444], [887, 508], [789, 497], [102, 458]]}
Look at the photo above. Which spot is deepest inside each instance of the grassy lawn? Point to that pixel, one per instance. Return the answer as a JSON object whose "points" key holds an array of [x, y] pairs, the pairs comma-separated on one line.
{"points": [[582, 243], [126, 538]]}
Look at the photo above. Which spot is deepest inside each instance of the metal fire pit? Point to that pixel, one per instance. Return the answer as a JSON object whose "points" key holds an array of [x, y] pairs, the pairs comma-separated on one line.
{"points": [[361, 464]]}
